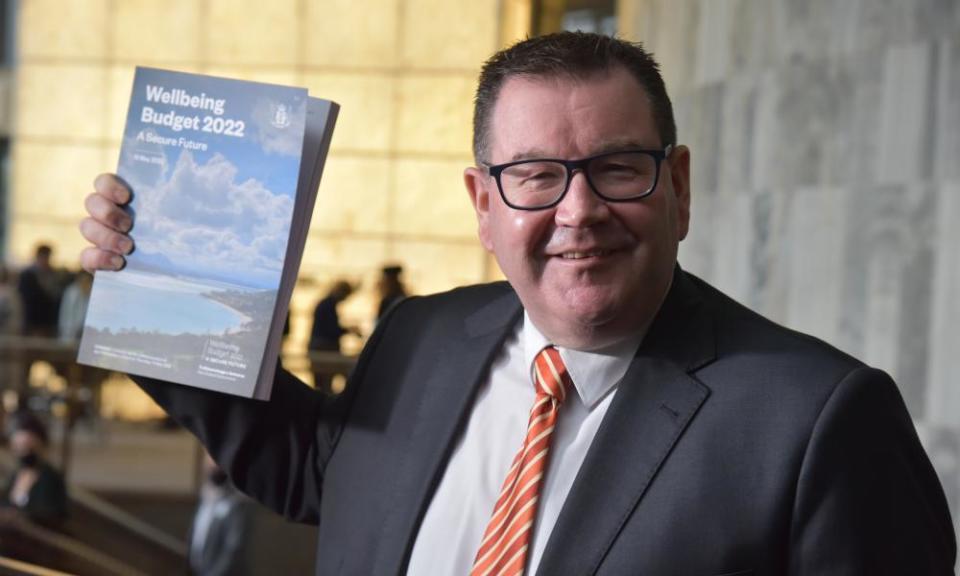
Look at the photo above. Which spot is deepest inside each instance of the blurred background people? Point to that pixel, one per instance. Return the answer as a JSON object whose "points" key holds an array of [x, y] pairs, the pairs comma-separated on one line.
{"points": [[40, 287], [391, 288], [11, 322], [11, 313], [221, 527], [73, 311], [73, 307], [327, 331], [35, 488]]}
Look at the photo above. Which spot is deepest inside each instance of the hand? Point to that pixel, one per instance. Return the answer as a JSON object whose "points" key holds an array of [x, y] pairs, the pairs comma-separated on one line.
{"points": [[107, 226]]}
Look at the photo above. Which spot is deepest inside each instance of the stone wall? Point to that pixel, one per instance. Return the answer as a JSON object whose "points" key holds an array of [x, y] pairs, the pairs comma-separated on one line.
{"points": [[826, 176]]}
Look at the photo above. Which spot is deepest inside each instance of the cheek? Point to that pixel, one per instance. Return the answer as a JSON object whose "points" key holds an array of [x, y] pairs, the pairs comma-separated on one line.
{"points": [[523, 233], [518, 240]]}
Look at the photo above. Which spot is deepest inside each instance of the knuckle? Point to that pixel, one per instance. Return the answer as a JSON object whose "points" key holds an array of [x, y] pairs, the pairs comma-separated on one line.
{"points": [[90, 202], [119, 220], [88, 229]]}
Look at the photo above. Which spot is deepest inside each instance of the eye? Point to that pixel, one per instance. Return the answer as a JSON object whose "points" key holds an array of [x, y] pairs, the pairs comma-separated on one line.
{"points": [[614, 168], [535, 174], [543, 175], [627, 166]]}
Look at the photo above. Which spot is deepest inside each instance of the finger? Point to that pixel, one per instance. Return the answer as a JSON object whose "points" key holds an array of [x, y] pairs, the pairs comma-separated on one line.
{"points": [[113, 188], [105, 238], [93, 259], [106, 212]]}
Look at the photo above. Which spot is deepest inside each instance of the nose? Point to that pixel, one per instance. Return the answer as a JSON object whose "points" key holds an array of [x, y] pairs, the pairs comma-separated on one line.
{"points": [[581, 207]]}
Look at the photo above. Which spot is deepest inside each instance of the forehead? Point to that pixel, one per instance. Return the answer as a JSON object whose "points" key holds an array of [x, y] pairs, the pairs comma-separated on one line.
{"points": [[570, 117]]}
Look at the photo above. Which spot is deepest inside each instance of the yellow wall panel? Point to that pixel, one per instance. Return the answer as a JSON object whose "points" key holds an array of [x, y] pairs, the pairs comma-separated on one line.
{"points": [[432, 267], [60, 100], [64, 235], [120, 85], [345, 33], [353, 195], [148, 31], [435, 114], [63, 28], [444, 34], [431, 197], [252, 31], [332, 254], [54, 179], [285, 76], [366, 108]]}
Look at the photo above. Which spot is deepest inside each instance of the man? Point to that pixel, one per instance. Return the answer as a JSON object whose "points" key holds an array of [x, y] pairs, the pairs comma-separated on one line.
{"points": [[391, 288], [40, 289], [694, 438], [326, 332], [221, 528], [35, 488]]}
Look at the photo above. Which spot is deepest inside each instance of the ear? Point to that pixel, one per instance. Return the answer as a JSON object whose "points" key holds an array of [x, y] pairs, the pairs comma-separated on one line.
{"points": [[680, 180], [477, 182]]}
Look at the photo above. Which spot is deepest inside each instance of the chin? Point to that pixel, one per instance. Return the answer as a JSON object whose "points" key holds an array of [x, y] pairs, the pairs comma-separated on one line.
{"points": [[590, 310]]}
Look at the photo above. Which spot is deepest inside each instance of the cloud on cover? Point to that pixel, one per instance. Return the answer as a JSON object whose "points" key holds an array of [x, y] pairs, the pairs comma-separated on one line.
{"points": [[203, 219]]}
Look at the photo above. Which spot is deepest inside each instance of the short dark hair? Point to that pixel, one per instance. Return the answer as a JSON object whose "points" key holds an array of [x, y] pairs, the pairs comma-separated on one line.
{"points": [[574, 55]]}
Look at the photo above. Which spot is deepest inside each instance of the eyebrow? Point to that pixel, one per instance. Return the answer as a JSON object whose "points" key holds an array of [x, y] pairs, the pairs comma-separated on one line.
{"points": [[611, 146]]}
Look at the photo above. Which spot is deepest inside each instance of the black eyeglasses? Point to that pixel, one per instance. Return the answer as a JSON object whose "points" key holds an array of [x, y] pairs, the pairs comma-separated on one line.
{"points": [[541, 183]]}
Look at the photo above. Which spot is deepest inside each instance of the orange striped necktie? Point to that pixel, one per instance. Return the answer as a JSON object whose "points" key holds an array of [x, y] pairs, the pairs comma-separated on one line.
{"points": [[503, 551]]}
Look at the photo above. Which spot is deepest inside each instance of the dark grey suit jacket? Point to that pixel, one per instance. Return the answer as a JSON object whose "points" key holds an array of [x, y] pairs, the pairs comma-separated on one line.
{"points": [[733, 446]]}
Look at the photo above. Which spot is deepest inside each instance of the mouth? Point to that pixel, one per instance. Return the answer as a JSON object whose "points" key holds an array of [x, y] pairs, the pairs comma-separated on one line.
{"points": [[577, 255]]}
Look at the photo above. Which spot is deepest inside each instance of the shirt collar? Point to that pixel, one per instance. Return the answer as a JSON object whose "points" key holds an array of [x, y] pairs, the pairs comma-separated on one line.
{"points": [[594, 373]]}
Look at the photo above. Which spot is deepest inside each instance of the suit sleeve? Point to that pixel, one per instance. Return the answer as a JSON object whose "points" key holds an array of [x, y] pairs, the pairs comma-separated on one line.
{"points": [[275, 451], [868, 500]]}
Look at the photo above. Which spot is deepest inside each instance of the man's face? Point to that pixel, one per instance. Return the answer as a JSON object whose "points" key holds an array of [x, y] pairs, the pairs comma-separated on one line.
{"points": [[588, 272]]}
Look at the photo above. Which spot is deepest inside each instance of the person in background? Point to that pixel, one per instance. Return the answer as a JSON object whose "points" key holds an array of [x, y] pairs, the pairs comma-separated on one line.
{"points": [[73, 312], [11, 322], [391, 288], [40, 288], [73, 307], [35, 488], [221, 526], [11, 310], [327, 331]]}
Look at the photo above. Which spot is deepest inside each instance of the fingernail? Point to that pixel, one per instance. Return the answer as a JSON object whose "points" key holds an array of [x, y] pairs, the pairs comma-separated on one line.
{"points": [[126, 245], [116, 262], [122, 194], [125, 224]]}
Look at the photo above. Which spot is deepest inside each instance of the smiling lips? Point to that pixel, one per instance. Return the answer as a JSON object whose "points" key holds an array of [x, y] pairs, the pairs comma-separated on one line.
{"points": [[581, 255]]}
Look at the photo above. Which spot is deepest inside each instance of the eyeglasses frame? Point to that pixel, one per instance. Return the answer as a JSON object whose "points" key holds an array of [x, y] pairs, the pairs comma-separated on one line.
{"points": [[574, 166]]}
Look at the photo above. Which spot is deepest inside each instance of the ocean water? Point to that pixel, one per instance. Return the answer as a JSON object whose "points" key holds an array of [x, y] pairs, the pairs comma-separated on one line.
{"points": [[150, 302]]}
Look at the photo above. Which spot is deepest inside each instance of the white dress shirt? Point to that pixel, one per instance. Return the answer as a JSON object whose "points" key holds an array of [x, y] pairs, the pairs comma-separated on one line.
{"points": [[463, 503]]}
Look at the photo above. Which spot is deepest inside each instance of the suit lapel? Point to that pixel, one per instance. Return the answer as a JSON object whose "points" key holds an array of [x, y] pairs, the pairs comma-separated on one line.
{"points": [[654, 403], [447, 398]]}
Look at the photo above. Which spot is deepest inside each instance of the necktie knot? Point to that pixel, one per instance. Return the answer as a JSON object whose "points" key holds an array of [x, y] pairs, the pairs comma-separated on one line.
{"points": [[550, 374]]}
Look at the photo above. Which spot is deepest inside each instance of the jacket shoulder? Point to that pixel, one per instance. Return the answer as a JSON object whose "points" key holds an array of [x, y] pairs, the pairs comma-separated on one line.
{"points": [[740, 330]]}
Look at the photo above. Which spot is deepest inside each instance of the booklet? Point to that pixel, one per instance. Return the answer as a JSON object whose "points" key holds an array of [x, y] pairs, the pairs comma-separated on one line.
{"points": [[224, 176]]}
